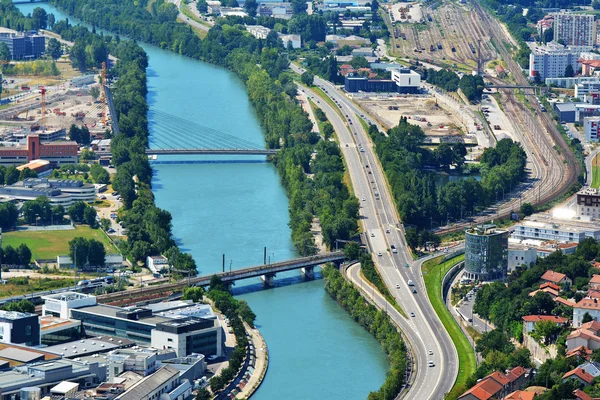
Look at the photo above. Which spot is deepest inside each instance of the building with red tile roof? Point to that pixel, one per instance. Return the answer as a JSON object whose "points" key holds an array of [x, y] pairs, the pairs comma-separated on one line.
{"points": [[553, 293], [520, 395], [565, 302], [581, 395], [595, 281], [550, 285], [556, 278], [580, 352], [587, 305], [496, 385], [531, 320], [580, 375]]}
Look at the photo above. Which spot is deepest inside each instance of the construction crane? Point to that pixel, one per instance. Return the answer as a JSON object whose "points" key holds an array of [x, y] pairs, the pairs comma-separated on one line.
{"points": [[103, 95], [43, 92]]}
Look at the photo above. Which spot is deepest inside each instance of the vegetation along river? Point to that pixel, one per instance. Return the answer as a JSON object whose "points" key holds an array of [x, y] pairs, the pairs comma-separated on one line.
{"points": [[316, 350]]}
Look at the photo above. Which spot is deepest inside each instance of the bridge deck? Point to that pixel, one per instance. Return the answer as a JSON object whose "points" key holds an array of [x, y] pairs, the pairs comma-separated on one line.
{"points": [[266, 152]]}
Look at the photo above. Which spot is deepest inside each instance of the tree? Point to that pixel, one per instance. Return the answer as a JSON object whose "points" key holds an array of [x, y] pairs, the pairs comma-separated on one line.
{"points": [[76, 211], [54, 48], [58, 212], [95, 92], [299, 6], [96, 253], [194, 293], [569, 72], [307, 78], [203, 394], [78, 56], [89, 216], [251, 6], [459, 151], [527, 209], [359, 62], [586, 318], [24, 254], [202, 6], [352, 250], [39, 19], [27, 173], [51, 20], [78, 251], [11, 175], [24, 306], [105, 224], [4, 52], [443, 155], [246, 312]]}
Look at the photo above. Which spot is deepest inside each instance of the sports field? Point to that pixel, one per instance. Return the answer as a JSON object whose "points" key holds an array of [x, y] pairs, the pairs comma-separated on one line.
{"points": [[596, 172], [49, 244]]}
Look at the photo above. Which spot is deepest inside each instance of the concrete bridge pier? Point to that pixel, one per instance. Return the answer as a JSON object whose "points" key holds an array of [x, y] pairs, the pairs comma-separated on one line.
{"points": [[308, 273], [268, 280]]}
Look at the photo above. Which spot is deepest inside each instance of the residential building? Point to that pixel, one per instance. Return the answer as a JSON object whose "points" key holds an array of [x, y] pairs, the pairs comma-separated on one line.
{"points": [[57, 152], [58, 191], [258, 31], [47, 375], [595, 282], [551, 61], [519, 254], [586, 89], [591, 125], [529, 321], [580, 352], [574, 29], [586, 335], [563, 231], [579, 375], [586, 305], [24, 45], [363, 51], [557, 278], [520, 395], [165, 381], [101, 145], [581, 395], [61, 304], [19, 328], [497, 385], [486, 253], [295, 40], [570, 82], [275, 9], [588, 201], [564, 302]]}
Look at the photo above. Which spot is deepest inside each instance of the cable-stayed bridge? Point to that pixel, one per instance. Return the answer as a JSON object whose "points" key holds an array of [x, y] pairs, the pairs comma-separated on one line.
{"points": [[178, 136]]}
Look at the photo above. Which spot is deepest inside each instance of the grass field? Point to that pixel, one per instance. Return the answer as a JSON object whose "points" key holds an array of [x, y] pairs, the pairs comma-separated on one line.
{"points": [[37, 284], [596, 172], [49, 244], [432, 274]]}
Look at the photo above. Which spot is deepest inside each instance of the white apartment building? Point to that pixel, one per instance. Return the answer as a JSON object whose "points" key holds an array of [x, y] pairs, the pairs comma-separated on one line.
{"points": [[551, 61], [588, 200], [574, 29], [563, 231], [591, 125], [587, 88]]}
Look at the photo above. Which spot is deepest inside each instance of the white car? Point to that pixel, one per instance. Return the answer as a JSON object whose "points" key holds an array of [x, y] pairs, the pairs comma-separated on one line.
{"points": [[372, 235], [431, 364], [379, 254], [397, 286], [212, 358], [412, 314], [364, 199], [430, 352]]}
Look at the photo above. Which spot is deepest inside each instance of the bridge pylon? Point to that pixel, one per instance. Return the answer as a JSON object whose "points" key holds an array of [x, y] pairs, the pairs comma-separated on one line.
{"points": [[268, 280], [308, 273]]}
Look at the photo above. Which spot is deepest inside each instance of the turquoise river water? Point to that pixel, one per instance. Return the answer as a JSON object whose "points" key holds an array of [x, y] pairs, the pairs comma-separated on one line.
{"points": [[316, 350]]}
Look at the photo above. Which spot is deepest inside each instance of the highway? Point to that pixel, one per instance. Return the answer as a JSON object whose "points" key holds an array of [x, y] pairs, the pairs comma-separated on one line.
{"points": [[382, 227]]}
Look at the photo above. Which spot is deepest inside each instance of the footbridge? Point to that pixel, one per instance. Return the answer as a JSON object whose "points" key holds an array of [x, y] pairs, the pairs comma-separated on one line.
{"points": [[175, 136]]}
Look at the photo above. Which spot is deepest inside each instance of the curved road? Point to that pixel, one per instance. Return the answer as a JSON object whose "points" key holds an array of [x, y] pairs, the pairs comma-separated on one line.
{"points": [[382, 227]]}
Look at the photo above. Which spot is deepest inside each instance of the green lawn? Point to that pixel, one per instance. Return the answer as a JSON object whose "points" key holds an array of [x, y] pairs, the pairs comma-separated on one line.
{"points": [[432, 274], [49, 244], [596, 176]]}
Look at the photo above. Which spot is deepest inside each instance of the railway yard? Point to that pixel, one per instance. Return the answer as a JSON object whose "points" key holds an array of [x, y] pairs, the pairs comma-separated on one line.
{"points": [[448, 34]]}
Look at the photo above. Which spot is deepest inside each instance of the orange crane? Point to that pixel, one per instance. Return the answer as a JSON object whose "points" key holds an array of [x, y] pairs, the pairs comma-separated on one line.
{"points": [[43, 90]]}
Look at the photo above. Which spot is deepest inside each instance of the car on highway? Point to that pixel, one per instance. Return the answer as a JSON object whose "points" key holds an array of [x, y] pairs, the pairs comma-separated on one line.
{"points": [[372, 235], [410, 283], [431, 364], [394, 250], [379, 254], [212, 358], [412, 314], [387, 231], [414, 290], [430, 352], [397, 286]]}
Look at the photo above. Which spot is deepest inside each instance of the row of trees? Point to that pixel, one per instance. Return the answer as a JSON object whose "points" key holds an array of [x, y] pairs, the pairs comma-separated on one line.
{"points": [[19, 256], [378, 323], [420, 202], [40, 211], [81, 135], [471, 86], [87, 252], [10, 174]]}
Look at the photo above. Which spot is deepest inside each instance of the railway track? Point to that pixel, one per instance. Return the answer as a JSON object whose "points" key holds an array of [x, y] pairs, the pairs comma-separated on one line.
{"points": [[556, 167]]}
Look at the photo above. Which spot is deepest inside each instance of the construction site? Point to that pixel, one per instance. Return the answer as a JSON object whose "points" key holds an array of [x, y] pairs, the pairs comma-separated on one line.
{"points": [[444, 34], [438, 123], [50, 110]]}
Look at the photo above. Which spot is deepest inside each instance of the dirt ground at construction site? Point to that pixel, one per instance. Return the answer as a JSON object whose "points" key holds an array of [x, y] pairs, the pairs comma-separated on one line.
{"points": [[448, 34], [423, 111]]}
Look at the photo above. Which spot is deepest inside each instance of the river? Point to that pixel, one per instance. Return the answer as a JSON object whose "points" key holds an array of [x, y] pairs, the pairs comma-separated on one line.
{"points": [[316, 350]]}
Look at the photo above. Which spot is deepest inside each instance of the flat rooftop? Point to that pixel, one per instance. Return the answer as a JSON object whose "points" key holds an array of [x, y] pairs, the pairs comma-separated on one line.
{"points": [[563, 224], [68, 296], [14, 315], [3, 346], [86, 347]]}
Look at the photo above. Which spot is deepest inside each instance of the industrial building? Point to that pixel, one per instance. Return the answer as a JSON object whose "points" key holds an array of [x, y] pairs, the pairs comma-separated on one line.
{"points": [[576, 112], [57, 152], [551, 61], [19, 328], [588, 200], [47, 375], [574, 29], [403, 80], [58, 191], [60, 304], [164, 384], [24, 45], [486, 253]]}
